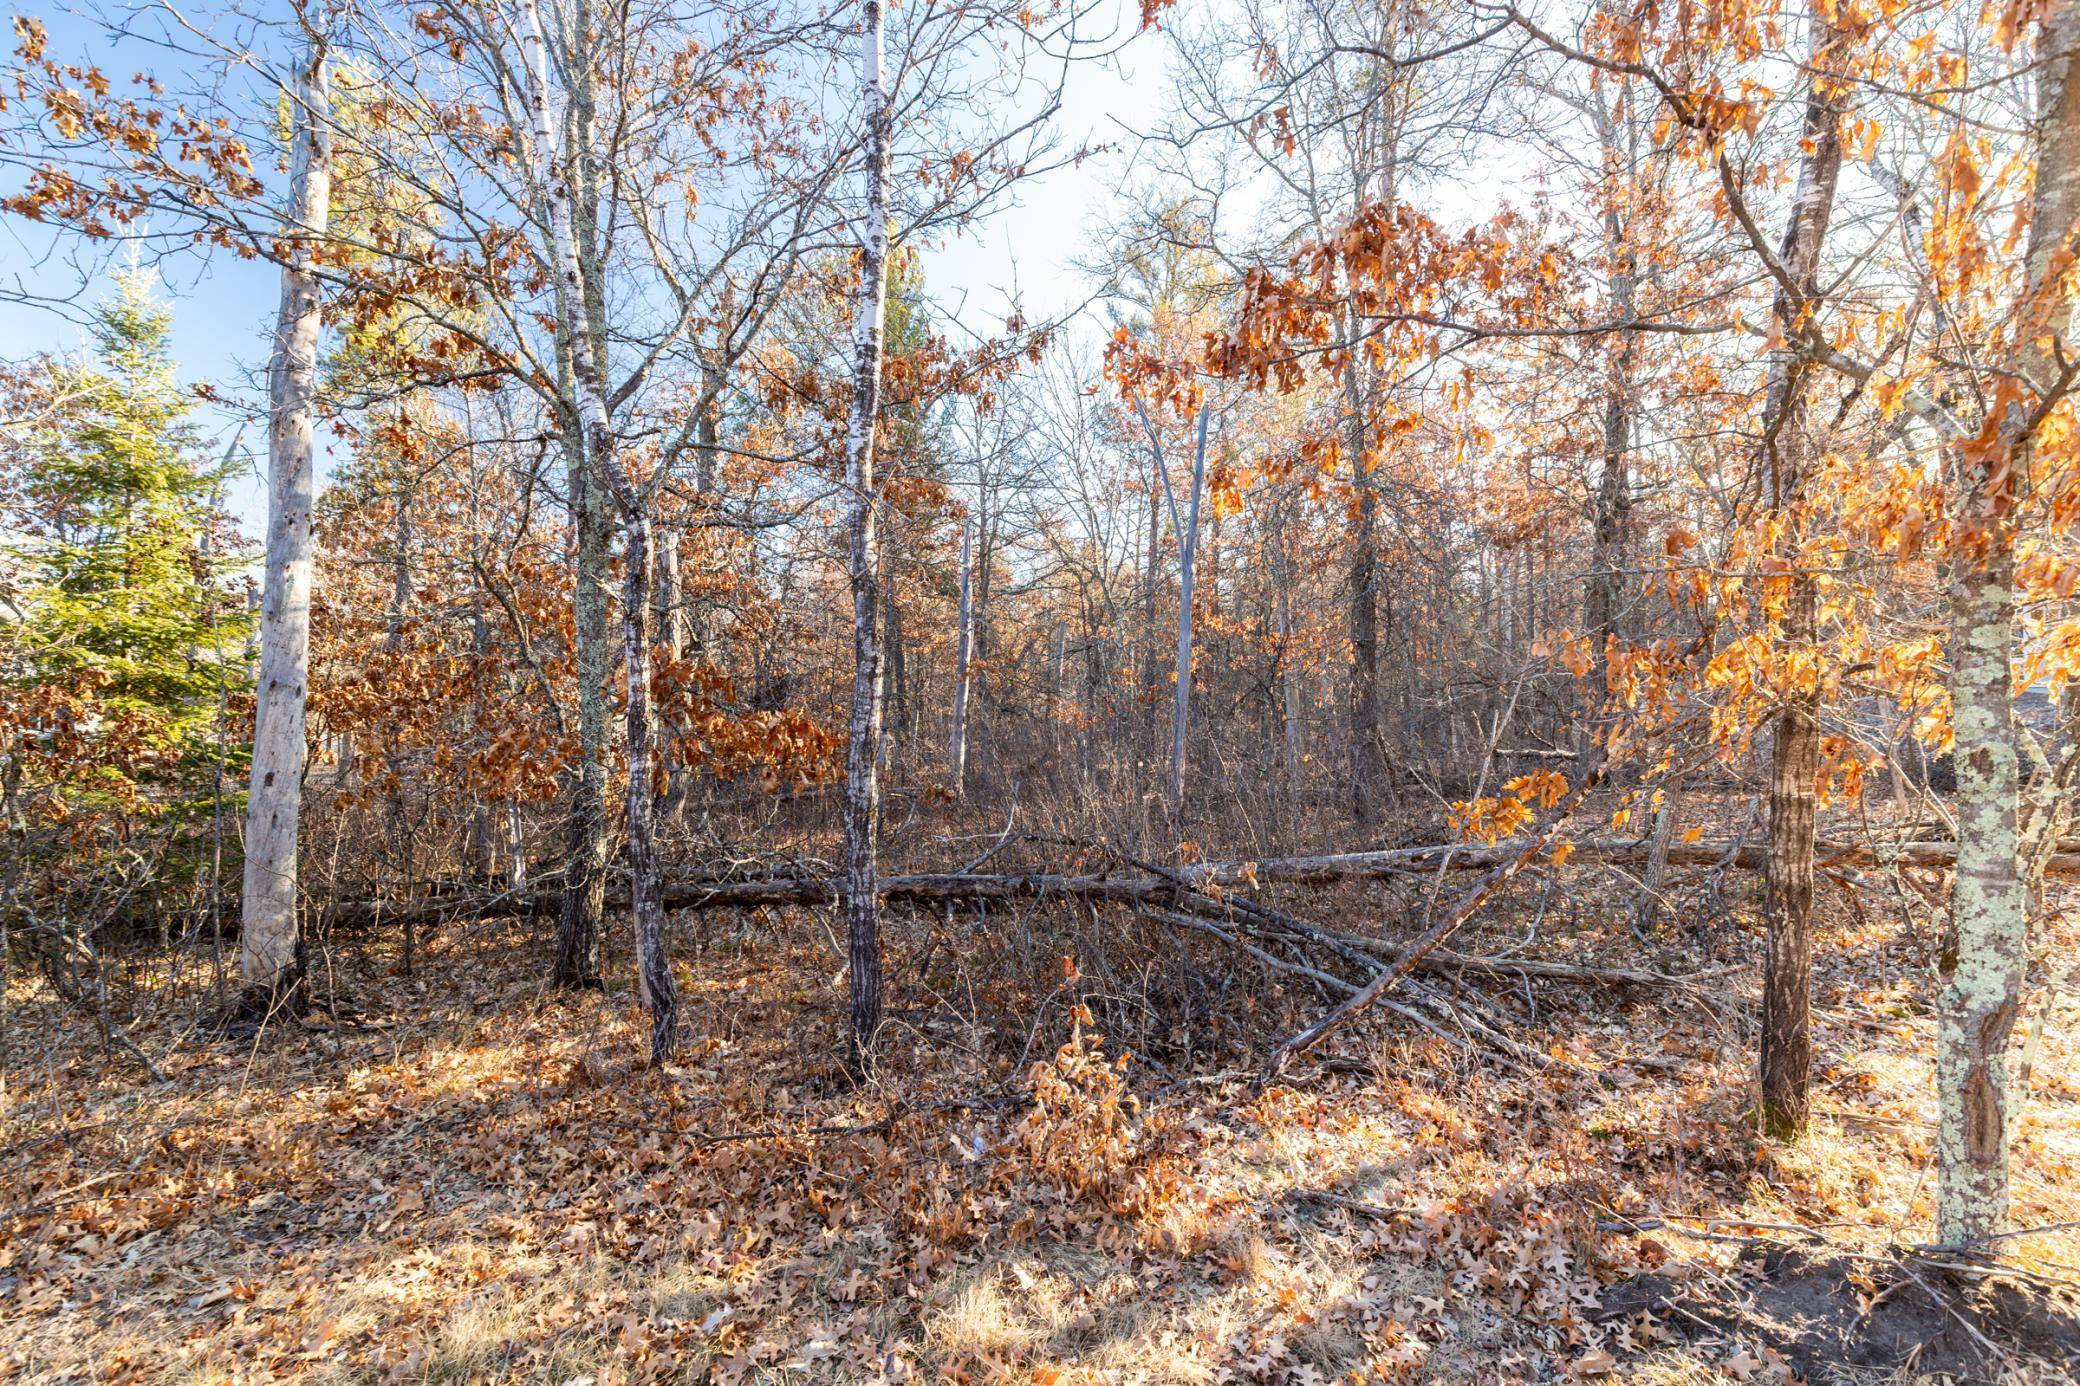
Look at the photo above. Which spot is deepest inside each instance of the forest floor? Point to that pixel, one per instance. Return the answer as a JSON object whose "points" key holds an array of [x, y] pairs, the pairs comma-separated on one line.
{"points": [[470, 1177]]}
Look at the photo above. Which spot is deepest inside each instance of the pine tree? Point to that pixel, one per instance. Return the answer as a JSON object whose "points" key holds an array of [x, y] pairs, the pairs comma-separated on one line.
{"points": [[122, 551]]}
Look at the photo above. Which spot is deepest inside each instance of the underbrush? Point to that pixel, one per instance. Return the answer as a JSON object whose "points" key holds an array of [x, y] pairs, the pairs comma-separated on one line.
{"points": [[1062, 1174]]}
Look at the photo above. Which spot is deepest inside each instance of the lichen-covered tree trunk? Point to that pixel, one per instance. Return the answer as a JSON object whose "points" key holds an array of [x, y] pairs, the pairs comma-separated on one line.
{"points": [[862, 904], [270, 941], [1982, 962], [1611, 530]]}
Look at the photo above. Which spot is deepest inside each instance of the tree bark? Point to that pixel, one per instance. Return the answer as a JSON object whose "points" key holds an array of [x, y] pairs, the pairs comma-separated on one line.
{"points": [[1786, 1056], [1982, 963], [582, 921], [862, 784], [964, 637], [654, 982], [1368, 766], [1187, 574], [1291, 697], [270, 941], [896, 715], [669, 603], [1145, 714]]}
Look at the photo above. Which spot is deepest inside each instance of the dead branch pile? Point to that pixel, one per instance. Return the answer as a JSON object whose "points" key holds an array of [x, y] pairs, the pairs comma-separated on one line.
{"points": [[1213, 901]]}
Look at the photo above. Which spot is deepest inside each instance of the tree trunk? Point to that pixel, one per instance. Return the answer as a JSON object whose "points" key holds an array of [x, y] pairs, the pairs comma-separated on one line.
{"points": [[1612, 524], [483, 842], [1056, 662], [1368, 766], [270, 942], [895, 673], [1187, 564], [1290, 692], [1983, 961], [862, 785], [1787, 1044], [957, 748], [579, 316], [1145, 715], [1612, 527], [654, 983], [669, 610], [579, 927], [516, 849], [1787, 1024]]}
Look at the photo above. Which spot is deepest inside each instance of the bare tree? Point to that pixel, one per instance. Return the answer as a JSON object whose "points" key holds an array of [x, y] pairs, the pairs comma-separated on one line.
{"points": [[270, 951]]}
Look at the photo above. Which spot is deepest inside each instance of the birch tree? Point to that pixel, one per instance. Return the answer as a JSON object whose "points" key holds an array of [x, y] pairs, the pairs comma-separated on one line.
{"points": [[963, 171], [270, 943], [863, 568], [579, 328]]}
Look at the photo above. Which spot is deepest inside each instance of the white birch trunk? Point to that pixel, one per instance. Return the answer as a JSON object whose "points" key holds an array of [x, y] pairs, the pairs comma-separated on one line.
{"points": [[655, 985], [862, 783], [269, 938]]}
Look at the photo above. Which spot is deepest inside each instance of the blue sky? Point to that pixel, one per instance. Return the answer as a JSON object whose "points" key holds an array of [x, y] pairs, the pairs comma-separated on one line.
{"points": [[224, 307]]}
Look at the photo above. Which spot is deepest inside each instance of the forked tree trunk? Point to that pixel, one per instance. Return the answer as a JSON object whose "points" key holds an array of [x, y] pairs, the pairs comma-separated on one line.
{"points": [[270, 942], [575, 300], [655, 985], [862, 784], [1982, 963], [1786, 1057], [516, 849]]}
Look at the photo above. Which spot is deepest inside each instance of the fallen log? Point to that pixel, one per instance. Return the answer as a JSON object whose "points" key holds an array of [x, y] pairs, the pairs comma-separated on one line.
{"points": [[1314, 870], [709, 893]]}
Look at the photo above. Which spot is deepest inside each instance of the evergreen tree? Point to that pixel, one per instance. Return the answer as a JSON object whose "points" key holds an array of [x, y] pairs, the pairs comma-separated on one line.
{"points": [[123, 556]]}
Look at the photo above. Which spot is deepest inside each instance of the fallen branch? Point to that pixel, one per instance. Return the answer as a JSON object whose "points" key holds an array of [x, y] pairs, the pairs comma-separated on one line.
{"points": [[1463, 909], [710, 893]]}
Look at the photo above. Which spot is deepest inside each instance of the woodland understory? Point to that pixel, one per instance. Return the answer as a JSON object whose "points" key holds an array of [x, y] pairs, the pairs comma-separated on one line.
{"points": [[1435, 737], [1062, 1171]]}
